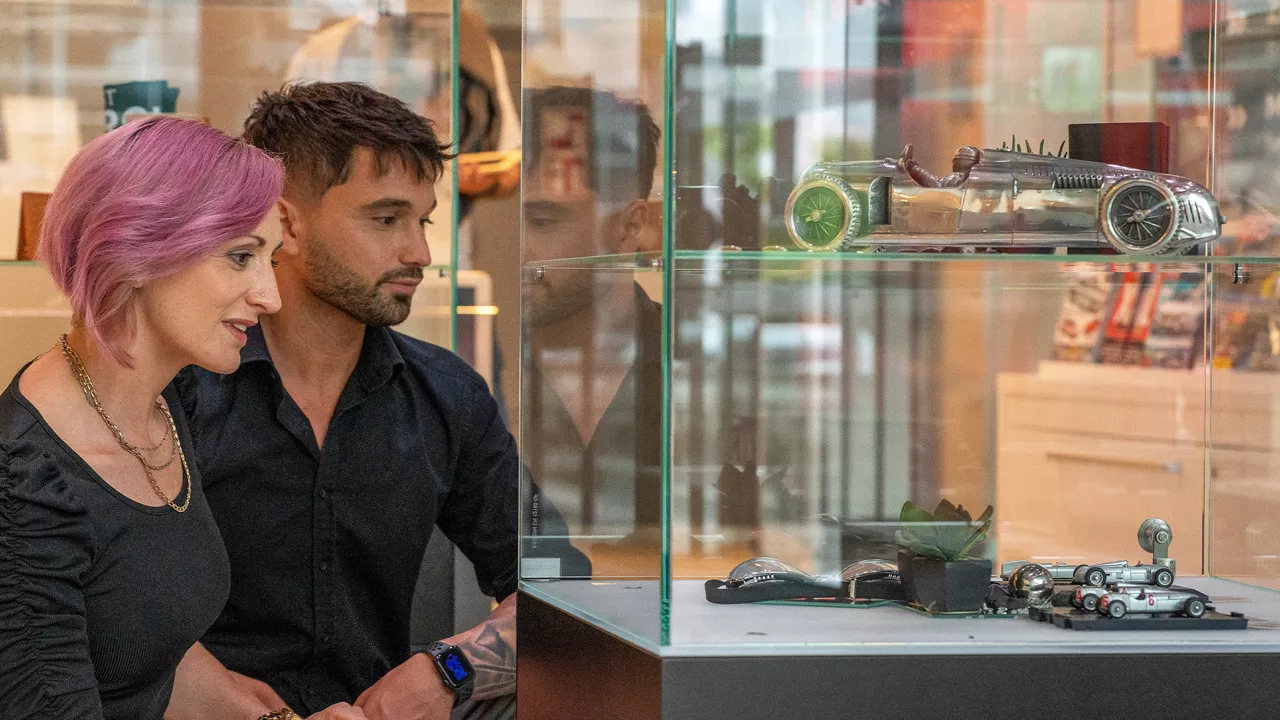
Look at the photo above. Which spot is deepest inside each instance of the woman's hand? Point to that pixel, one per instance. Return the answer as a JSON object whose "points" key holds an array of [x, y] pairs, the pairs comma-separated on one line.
{"points": [[340, 711]]}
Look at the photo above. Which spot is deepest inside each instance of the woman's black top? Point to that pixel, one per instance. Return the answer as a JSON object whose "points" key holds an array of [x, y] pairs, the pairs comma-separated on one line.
{"points": [[100, 596]]}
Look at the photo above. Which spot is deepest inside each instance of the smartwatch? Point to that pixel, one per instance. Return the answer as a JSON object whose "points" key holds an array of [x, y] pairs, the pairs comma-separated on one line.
{"points": [[455, 669]]}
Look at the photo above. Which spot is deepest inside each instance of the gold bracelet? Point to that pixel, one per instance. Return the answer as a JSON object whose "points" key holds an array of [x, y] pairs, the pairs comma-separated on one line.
{"points": [[281, 714]]}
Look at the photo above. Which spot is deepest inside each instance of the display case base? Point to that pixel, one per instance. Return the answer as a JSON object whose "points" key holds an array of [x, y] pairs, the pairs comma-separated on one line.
{"points": [[570, 669], [1072, 619]]}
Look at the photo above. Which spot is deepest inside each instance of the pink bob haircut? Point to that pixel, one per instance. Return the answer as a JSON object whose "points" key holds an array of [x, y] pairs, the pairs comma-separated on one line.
{"points": [[145, 201]]}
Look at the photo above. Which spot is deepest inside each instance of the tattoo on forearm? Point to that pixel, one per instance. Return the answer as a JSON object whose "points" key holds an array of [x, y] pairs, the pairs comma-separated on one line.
{"points": [[491, 648]]}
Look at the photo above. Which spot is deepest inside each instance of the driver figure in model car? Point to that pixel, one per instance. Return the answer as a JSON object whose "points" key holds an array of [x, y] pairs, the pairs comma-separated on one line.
{"points": [[961, 163]]}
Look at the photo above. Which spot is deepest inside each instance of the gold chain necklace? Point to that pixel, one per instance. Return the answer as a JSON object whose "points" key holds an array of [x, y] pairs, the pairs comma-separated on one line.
{"points": [[91, 395]]}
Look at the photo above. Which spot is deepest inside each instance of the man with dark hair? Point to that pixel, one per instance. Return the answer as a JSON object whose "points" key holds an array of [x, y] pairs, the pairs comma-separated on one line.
{"points": [[592, 392], [338, 444]]}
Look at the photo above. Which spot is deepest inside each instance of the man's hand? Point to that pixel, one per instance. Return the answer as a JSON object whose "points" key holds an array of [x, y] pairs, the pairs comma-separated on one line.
{"points": [[341, 711], [412, 691]]}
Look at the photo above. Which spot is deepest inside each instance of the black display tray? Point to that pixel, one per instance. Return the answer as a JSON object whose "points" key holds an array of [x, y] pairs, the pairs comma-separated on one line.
{"points": [[1072, 619]]}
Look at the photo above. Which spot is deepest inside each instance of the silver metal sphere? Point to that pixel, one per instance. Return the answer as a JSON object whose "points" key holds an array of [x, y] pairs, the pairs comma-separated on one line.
{"points": [[1033, 583]]}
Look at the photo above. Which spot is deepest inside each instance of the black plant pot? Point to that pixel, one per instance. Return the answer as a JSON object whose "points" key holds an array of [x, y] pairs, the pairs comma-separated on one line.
{"points": [[904, 571], [942, 586]]}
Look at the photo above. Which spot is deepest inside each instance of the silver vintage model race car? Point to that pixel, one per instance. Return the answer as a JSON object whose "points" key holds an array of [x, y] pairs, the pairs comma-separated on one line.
{"points": [[998, 198], [1120, 571], [1059, 571], [1152, 601], [1086, 597]]}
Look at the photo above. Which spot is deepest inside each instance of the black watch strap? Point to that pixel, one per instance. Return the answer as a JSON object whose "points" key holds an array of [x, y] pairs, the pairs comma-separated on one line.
{"points": [[462, 692]]}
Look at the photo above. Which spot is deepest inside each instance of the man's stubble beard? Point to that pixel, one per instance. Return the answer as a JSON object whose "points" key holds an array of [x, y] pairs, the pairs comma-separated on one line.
{"points": [[346, 290], [550, 304]]}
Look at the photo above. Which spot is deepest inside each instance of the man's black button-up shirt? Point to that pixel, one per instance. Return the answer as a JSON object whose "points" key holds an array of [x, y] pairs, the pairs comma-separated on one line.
{"points": [[325, 544]]}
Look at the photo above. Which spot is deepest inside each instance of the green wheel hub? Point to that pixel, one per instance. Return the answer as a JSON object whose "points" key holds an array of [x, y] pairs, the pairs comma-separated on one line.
{"points": [[821, 215], [824, 213]]}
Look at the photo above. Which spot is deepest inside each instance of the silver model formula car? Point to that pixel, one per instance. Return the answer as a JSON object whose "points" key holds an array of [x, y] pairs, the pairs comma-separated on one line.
{"points": [[1086, 597], [1059, 571], [1120, 571], [1152, 601], [998, 198]]}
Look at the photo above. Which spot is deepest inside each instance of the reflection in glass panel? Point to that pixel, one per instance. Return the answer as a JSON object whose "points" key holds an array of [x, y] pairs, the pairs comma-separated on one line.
{"points": [[1244, 472], [1247, 140], [591, 404], [806, 408]]}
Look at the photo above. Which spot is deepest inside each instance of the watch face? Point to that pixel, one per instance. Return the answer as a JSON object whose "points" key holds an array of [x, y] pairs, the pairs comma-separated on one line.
{"points": [[457, 670]]}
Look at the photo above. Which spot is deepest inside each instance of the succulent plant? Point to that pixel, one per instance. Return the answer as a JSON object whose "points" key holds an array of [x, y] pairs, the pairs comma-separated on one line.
{"points": [[948, 533]]}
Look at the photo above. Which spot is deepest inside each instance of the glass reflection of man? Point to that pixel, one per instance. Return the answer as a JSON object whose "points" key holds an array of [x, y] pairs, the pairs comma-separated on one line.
{"points": [[593, 393]]}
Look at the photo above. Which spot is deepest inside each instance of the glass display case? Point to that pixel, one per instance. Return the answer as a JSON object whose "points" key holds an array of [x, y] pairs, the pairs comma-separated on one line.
{"points": [[760, 317]]}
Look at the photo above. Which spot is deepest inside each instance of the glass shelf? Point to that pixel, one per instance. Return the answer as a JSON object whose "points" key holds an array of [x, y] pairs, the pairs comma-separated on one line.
{"points": [[854, 260]]}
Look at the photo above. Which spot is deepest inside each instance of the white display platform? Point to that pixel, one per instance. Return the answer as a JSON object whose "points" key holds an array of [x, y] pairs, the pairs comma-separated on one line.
{"points": [[629, 611]]}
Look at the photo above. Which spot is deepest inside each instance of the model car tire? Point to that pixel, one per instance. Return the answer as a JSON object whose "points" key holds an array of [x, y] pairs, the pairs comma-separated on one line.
{"points": [[1117, 609], [1163, 577], [1090, 603], [1139, 216], [824, 214], [1095, 576], [1194, 608]]}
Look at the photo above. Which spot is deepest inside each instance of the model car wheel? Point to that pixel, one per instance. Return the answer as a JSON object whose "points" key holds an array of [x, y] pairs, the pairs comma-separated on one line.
{"points": [[824, 213], [1090, 603], [1095, 576], [1117, 609], [1164, 577], [1139, 215], [1194, 608]]}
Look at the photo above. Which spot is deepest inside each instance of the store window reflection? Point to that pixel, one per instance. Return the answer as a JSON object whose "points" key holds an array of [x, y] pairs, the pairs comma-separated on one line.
{"points": [[70, 71]]}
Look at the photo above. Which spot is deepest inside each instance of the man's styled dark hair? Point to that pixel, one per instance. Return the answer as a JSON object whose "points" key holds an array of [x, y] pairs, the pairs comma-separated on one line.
{"points": [[315, 128], [624, 138]]}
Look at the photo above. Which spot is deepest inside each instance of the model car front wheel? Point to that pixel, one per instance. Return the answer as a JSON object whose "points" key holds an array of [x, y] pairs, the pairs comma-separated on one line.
{"points": [[1194, 608], [1139, 216], [1164, 577], [1116, 609], [1090, 603]]}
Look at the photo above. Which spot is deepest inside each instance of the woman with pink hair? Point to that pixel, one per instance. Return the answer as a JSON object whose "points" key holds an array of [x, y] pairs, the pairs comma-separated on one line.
{"points": [[161, 234]]}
